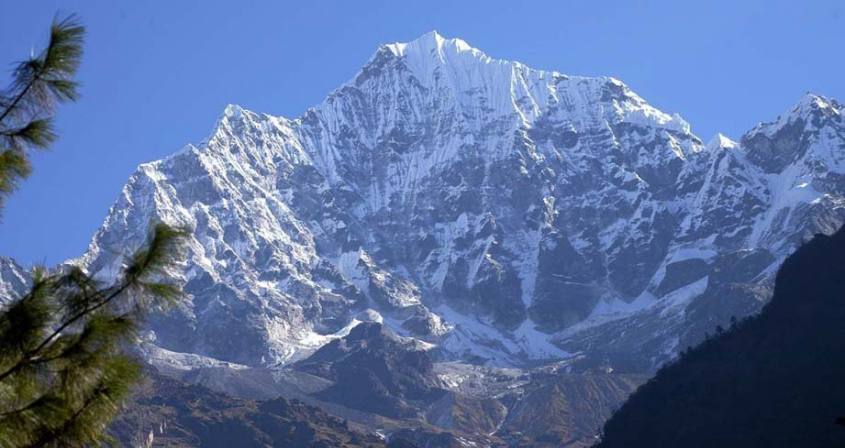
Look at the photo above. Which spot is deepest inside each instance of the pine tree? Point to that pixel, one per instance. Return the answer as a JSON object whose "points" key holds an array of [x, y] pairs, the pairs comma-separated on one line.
{"points": [[65, 364]]}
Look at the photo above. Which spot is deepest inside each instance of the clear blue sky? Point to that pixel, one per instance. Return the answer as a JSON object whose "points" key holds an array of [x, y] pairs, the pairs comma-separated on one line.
{"points": [[157, 74]]}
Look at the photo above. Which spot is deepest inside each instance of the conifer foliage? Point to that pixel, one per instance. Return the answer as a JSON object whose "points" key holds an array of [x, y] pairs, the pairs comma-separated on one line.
{"points": [[27, 105], [65, 367]]}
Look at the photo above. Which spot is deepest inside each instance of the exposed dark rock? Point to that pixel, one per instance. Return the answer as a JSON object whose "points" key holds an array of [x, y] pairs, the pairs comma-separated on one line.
{"points": [[375, 371]]}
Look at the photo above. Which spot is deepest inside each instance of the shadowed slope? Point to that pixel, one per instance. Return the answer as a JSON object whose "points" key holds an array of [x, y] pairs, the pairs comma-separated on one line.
{"points": [[773, 380]]}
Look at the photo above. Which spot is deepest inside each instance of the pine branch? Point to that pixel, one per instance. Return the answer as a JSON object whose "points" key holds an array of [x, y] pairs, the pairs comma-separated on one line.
{"points": [[52, 69], [37, 133], [32, 355], [51, 436], [14, 165], [164, 249]]}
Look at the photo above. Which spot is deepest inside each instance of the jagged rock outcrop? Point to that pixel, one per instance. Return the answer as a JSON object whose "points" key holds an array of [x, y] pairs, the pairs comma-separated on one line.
{"points": [[376, 371]]}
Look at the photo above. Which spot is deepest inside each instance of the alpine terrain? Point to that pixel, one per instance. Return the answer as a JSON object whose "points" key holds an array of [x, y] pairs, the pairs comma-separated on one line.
{"points": [[520, 236]]}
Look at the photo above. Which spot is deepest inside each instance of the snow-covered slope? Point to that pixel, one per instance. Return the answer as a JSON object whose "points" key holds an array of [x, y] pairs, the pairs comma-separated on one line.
{"points": [[499, 212], [13, 280]]}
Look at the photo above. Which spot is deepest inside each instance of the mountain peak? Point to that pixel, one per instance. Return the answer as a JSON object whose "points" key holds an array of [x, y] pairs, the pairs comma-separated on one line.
{"points": [[811, 109], [720, 141], [232, 115], [774, 145], [810, 102], [232, 110], [812, 106], [430, 43]]}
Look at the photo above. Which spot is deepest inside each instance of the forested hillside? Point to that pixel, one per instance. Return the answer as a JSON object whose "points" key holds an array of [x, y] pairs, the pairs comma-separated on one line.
{"points": [[777, 379]]}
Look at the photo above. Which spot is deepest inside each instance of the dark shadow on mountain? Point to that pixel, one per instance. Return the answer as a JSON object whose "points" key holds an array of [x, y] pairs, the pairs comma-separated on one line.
{"points": [[777, 379]]}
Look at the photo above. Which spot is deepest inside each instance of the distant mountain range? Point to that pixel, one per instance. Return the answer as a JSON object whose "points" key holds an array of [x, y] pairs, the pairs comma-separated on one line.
{"points": [[486, 220]]}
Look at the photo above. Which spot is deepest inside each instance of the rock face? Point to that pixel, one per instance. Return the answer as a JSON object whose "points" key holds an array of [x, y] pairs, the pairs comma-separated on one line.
{"points": [[505, 214], [773, 379], [373, 370]]}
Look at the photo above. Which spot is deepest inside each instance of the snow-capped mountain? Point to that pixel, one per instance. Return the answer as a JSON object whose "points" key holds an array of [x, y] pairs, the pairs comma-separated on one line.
{"points": [[494, 211]]}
